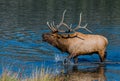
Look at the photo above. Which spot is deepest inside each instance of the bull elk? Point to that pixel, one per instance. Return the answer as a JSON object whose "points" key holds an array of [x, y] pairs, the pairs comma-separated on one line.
{"points": [[75, 43]]}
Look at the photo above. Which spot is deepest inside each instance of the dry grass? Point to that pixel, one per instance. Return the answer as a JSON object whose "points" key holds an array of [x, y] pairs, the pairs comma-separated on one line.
{"points": [[37, 75], [9, 76]]}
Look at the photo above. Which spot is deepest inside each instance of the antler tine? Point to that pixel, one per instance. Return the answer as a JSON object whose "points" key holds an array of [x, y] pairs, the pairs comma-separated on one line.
{"points": [[53, 24], [80, 19], [51, 27], [85, 27], [78, 26], [62, 19], [62, 23], [81, 26]]}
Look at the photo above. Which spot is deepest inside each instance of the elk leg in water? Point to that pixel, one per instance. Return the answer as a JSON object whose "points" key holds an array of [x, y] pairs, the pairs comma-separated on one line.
{"points": [[75, 59], [102, 55], [67, 60]]}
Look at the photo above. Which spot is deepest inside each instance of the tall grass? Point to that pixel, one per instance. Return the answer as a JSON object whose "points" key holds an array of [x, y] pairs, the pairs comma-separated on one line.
{"points": [[9, 76], [40, 75], [37, 75]]}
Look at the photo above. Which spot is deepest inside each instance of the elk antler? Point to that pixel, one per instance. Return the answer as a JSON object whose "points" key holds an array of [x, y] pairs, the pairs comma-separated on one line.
{"points": [[54, 28], [51, 27], [78, 26], [62, 22]]}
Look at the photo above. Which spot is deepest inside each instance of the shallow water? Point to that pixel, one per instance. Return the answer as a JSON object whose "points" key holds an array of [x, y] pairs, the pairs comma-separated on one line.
{"points": [[23, 22]]}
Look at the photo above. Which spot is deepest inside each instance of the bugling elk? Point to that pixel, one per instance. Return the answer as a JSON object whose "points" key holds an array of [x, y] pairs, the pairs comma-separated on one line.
{"points": [[75, 43]]}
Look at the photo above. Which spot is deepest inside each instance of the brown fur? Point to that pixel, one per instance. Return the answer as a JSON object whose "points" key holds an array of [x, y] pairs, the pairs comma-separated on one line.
{"points": [[78, 43]]}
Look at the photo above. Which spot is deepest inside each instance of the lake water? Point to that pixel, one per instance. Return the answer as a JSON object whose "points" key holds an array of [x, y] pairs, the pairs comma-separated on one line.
{"points": [[22, 22]]}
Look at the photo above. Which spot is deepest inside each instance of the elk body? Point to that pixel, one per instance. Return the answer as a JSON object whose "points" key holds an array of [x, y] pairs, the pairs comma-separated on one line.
{"points": [[76, 43]]}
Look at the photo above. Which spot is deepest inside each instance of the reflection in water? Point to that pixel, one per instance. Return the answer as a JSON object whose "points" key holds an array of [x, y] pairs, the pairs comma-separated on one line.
{"points": [[86, 74]]}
